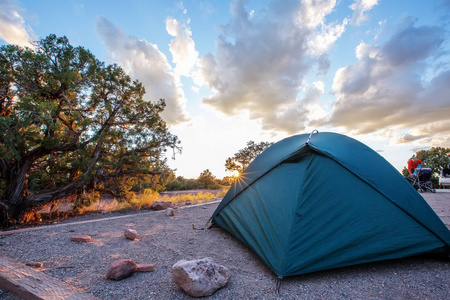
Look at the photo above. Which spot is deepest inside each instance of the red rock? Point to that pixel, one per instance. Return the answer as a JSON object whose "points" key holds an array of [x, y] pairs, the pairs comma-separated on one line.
{"points": [[145, 268], [161, 205], [121, 269], [81, 238]]}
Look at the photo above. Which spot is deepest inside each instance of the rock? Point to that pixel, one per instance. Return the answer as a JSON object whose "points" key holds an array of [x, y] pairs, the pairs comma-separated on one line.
{"points": [[200, 278], [121, 269], [81, 238], [130, 234], [145, 267], [34, 264], [161, 205], [170, 212]]}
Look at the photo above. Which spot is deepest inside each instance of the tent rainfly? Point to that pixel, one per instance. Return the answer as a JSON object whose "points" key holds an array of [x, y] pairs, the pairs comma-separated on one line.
{"points": [[323, 201]]}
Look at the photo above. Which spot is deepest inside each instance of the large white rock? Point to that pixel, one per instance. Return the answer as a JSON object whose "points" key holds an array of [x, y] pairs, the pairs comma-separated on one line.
{"points": [[200, 278]]}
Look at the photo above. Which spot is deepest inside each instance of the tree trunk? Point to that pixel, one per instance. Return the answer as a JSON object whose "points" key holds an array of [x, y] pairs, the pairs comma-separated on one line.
{"points": [[13, 202]]}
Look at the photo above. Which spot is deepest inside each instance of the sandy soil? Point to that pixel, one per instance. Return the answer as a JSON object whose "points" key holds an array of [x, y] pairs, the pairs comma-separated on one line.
{"points": [[165, 240]]}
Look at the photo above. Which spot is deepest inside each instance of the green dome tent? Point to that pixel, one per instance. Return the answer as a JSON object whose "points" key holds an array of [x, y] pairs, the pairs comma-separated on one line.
{"points": [[323, 201]]}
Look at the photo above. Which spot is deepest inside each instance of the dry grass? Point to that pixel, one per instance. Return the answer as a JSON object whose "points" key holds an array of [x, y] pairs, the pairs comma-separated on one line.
{"points": [[147, 197]]}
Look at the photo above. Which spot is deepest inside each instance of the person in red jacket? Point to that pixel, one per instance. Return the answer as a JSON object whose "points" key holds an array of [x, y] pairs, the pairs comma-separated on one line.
{"points": [[413, 163]]}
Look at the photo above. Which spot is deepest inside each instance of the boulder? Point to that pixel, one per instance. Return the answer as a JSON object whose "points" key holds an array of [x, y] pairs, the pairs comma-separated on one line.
{"points": [[170, 212], [200, 278], [81, 238], [121, 269], [130, 234], [161, 205]]}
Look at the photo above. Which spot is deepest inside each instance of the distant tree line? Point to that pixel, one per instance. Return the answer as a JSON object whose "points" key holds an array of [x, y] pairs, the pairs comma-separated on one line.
{"points": [[206, 180]]}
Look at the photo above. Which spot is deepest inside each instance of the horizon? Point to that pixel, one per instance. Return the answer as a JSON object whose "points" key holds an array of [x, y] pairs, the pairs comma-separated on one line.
{"points": [[234, 71]]}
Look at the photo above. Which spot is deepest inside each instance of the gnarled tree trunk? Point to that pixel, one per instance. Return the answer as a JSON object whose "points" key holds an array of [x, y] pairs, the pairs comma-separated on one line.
{"points": [[16, 205], [13, 202]]}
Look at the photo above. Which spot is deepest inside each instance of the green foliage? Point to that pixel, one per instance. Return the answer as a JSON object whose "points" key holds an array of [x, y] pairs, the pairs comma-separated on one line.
{"points": [[157, 182], [207, 180], [181, 184], [228, 180], [240, 161], [70, 125]]}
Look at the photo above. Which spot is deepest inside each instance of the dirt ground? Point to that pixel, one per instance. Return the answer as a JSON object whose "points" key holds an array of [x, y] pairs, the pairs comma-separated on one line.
{"points": [[166, 240]]}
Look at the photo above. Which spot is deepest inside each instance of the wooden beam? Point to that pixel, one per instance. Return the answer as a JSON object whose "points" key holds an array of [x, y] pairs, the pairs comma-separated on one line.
{"points": [[28, 283]]}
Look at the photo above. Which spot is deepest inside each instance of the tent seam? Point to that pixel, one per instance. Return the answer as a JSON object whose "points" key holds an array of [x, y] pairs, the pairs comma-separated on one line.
{"points": [[296, 208]]}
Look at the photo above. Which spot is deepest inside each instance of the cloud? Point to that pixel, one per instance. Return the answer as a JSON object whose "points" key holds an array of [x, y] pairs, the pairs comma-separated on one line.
{"points": [[360, 7], [298, 115], [407, 138], [313, 12], [328, 36], [262, 58], [79, 8], [13, 29], [182, 47], [394, 87], [143, 61]]}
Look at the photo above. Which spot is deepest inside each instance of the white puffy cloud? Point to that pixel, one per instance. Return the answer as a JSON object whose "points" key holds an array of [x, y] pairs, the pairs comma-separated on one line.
{"points": [[297, 116], [313, 12], [360, 7], [394, 88], [329, 34], [13, 29], [143, 61], [262, 59], [182, 47]]}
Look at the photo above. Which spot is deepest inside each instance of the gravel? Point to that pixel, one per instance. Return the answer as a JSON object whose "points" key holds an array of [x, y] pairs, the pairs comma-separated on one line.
{"points": [[166, 240]]}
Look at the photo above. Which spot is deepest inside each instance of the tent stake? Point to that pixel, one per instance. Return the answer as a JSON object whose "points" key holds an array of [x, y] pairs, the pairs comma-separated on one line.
{"points": [[279, 284]]}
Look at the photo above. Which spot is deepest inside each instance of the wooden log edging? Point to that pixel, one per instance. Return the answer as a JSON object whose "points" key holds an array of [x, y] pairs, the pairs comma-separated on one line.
{"points": [[27, 283]]}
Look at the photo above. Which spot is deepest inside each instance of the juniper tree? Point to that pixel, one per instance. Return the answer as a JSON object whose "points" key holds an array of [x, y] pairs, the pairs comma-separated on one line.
{"points": [[71, 124]]}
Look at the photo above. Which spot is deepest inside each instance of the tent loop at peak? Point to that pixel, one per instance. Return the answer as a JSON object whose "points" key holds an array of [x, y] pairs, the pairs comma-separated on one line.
{"points": [[314, 131]]}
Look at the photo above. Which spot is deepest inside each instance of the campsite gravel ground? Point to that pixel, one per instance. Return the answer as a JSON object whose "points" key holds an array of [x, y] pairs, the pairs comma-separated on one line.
{"points": [[166, 240]]}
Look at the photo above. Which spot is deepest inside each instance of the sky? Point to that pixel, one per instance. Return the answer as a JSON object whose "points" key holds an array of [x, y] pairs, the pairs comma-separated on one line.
{"points": [[234, 71]]}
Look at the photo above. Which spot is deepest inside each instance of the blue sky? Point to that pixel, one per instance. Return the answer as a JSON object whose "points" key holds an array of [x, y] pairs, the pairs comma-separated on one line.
{"points": [[235, 71]]}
